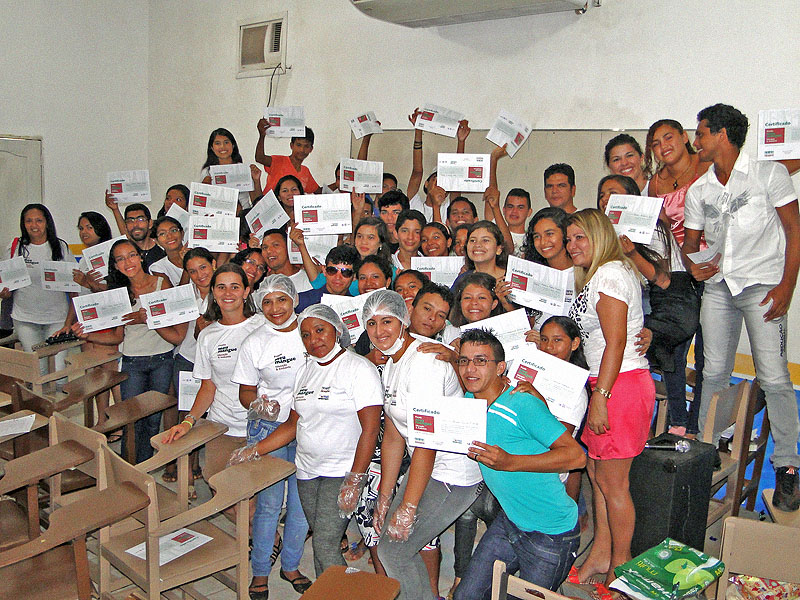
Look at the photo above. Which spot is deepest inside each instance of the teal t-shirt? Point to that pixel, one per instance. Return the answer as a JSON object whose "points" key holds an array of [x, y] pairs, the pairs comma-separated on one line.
{"points": [[521, 424]]}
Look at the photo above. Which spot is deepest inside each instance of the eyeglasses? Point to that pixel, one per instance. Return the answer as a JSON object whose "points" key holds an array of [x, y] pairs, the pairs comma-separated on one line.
{"points": [[331, 270], [478, 361], [121, 259], [252, 263], [139, 219], [170, 231]]}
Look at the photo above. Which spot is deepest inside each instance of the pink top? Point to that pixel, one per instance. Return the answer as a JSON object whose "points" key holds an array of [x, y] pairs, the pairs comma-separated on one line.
{"points": [[674, 203]]}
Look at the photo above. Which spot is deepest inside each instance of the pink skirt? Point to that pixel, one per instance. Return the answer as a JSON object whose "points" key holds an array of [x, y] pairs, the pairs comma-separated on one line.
{"points": [[630, 411]]}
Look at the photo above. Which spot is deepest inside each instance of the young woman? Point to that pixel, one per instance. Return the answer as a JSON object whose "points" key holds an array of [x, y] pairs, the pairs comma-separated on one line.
{"points": [[146, 353], [437, 486], [38, 313], [255, 267], [435, 240], [169, 235], [266, 368], [623, 156], [176, 194], [408, 284], [233, 318], [475, 300], [335, 417], [223, 150], [486, 253], [608, 310], [285, 190], [408, 226]]}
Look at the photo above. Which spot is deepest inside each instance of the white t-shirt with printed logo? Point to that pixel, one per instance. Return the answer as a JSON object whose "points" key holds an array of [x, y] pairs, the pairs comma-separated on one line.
{"points": [[217, 350], [33, 303], [271, 359], [327, 400]]}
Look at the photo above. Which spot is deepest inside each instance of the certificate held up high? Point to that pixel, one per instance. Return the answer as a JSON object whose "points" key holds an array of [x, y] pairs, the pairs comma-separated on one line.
{"points": [[285, 121], [323, 215]]}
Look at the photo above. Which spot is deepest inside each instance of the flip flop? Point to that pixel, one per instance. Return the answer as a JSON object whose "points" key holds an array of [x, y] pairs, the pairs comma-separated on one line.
{"points": [[276, 550], [300, 583], [259, 592]]}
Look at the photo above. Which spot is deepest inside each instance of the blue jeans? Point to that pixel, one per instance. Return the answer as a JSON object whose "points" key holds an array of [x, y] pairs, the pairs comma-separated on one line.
{"points": [[145, 373], [268, 509], [540, 558], [676, 385]]}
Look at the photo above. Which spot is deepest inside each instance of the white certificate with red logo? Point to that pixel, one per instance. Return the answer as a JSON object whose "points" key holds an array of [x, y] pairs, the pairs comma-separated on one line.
{"points": [[439, 269], [285, 121], [236, 176], [97, 258], [539, 286], [779, 134], [446, 423], [361, 176], [463, 172], [509, 129], [318, 247], [57, 276], [216, 234], [634, 216], [327, 214], [365, 124], [170, 306], [509, 328], [211, 200], [14, 274], [102, 310], [266, 214], [438, 119], [349, 309], [129, 186]]}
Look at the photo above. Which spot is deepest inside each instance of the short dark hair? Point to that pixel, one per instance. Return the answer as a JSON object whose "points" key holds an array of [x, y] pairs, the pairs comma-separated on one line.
{"points": [[281, 231], [520, 193], [462, 199], [563, 169], [459, 228], [425, 185], [344, 254], [410, 215], [724, 116], [136, 206], [378, 261], [308, 136], [390, 177], [439, 290], [393, 197], [484, 337]]}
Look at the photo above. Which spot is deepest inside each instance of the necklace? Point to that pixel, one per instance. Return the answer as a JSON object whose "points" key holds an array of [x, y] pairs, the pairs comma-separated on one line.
{"points": [[675, 185]]}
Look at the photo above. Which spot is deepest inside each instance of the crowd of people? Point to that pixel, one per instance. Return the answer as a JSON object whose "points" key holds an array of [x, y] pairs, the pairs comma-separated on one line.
{"points": [[279, 368]]}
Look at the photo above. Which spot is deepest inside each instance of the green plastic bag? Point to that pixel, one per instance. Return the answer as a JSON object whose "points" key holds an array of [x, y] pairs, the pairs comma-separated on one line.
{"points": [[670, 571]]}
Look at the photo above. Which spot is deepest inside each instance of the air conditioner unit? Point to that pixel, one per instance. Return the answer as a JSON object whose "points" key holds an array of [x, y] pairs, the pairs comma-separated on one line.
{"points": [[262, 46], [432, 13]]}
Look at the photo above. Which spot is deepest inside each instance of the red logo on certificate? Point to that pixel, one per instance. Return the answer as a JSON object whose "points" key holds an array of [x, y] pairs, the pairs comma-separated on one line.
{"points": [[526, 374], [200, 200], [426, 115], [275, 121], [362, 118], [158, 309], [116, 188], [614, 216], [200, 234], [774, 135], [350, 321], [349, 175], [218, 179], [310, 216], [49, 275], [97, 262], [423, 423], [474, 172], [257, 225], [519, 139], [87, 314], [519, 282], [428, 274], [182, 538]]}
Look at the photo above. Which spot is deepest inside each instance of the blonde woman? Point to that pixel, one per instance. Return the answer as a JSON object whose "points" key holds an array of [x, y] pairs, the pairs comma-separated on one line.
{"points": [[608, 311]]}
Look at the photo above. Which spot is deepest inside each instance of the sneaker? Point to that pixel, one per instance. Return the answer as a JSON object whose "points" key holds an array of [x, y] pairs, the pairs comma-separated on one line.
{"points": [[787, 493]]}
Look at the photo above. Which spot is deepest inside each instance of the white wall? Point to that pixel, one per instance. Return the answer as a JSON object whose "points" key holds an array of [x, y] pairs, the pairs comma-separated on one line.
{"points": [[75, 73]]}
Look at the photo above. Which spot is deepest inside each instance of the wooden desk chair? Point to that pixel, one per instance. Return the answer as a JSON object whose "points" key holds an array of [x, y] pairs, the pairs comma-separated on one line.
{"points": [[337, 584], [751, 451], [505, 585], [234, 486], [56, 565], [760, 549]]}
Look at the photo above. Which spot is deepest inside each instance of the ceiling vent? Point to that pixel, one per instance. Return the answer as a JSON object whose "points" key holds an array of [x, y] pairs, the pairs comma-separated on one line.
{"points": [[262, 47]]}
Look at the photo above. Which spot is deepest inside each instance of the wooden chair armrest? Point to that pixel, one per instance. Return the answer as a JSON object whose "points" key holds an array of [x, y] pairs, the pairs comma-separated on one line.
{"points": [[43, 463], [232, 485], [52, 349], [203, 432], [39, 421], [75, 520], [84, 361], [133, 409]]}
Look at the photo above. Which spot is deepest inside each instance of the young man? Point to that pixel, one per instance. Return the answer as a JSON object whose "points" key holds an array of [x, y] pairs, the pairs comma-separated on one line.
{"points": [[275, 251], [390, 206], [517, 210], [341, 264], [559, 187], [460, 234], [537, 531], [461, 211], [748, 208], [138, 226], [429, 312], [277, 165]]}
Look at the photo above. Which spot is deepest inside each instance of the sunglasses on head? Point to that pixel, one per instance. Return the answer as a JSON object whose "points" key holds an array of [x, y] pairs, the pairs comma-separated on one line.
{"points": [[331, 270]]}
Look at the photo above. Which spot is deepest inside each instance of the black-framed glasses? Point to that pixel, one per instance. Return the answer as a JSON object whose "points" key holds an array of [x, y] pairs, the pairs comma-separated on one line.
{"points": [[257, 265], [346, 272], [139, 219], [478, 361]]}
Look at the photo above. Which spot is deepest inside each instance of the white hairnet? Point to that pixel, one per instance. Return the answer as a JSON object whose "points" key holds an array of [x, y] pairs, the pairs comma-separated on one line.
{"points": [[327, 314], [386, 303], [278, 283]]}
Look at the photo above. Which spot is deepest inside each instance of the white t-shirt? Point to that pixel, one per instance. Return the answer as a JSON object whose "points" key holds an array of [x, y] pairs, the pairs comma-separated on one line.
{"points": [[33, 303], [300, 281], [165, 266], [415, 375], [188, 346], [217, 348], [327, 400], [617, 281], [418, 203], [519, 240], [571, 412], [270, 359]]}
